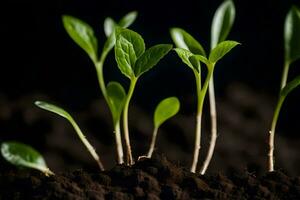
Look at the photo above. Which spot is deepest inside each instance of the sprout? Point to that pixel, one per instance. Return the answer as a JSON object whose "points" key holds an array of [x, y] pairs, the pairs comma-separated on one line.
{"points": [[166, 109], [83, 35], [59, 111], [220, 28], [192, 54], [133, 61], [24, 156], [292, 53]]}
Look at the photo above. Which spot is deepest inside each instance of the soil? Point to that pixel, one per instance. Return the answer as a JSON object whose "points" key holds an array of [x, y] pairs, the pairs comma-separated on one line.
{"points": [[244, 118], [155, 178]]}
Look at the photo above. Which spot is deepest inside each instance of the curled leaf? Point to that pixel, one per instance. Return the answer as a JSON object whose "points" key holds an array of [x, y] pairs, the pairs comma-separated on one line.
{"points": [[222, 22], [184, 40]]}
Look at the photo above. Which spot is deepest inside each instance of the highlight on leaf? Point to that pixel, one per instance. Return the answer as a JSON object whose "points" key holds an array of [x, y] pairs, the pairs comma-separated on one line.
{"points": [[222, 22], [221, 50], [184, 40], [23, 155]]}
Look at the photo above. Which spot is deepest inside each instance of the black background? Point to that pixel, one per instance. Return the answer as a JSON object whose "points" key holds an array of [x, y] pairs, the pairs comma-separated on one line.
{"points": [[37, 56]]}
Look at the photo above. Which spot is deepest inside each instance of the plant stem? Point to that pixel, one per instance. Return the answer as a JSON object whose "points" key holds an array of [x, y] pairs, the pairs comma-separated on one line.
{"points": [[125, 121], [117, 131], [272, 134], [197, 146], [201, 93], [213, 117], [284, 74], [152, 145], [119, 145], [89, 147]]}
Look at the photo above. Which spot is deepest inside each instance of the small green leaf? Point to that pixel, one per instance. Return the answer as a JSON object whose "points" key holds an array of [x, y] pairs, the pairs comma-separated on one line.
{"points": [[222, 22], [292, 35], [166, 109], [150, 58], [290, 87], [116, 97], [202, 59], [185, 56], [129, 46], [184, 40], [221, 50], [53, 108], [128, 19], [82, 34], [109, 26], [23, 155]]}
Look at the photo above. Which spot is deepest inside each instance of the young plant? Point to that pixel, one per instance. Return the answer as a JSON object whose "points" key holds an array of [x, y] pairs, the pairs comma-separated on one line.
{"points": [[221, 25], [133, 61], [83, 35], [61, 112], [166, 109], [23, 155], [192, 54], [292, 53]]}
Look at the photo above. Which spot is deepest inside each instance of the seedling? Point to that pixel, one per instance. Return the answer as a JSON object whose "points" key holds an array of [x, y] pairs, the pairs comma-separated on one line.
{"points": [[133, 61], [113, 93], [192, 54], [166, 109], [221, 25], [292, 53], [23, 155], [59, 111]]}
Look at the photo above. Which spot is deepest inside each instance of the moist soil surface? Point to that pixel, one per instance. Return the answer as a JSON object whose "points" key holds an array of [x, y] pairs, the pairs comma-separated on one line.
{"points": [[155, 178]]}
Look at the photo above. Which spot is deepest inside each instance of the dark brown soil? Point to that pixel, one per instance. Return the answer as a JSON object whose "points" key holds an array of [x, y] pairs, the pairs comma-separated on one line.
{"points": [[148, 179]]}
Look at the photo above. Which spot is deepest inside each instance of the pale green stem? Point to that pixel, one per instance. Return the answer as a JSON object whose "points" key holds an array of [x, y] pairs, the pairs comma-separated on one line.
{"points": [[153, 140], [272, 134], [119, 145], [89, 147], [117, 131], [197, 145], [213, 117], [284, 75], [125, 121], [201, 93]]}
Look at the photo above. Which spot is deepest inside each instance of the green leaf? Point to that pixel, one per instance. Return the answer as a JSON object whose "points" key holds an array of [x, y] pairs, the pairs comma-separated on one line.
{"points": [[202, 59], [55, 109], [166, 109], [150, 58], [290, 87], [184, 40], [116, 97], [292, 35], [129, 46], [23, 155], [185, 56], [128, 19], [109, 43], [221, 50], [109, 26], [222, 22], [82, 34]]}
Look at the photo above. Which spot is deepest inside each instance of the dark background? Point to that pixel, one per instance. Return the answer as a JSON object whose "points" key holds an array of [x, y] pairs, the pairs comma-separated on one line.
{"points": [[39, 58]]}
